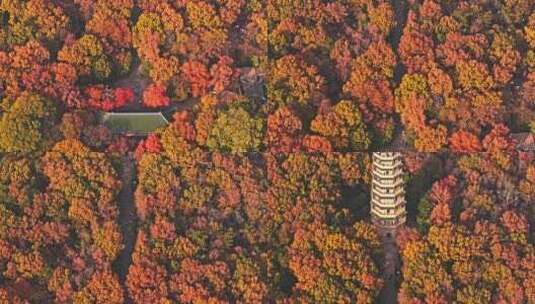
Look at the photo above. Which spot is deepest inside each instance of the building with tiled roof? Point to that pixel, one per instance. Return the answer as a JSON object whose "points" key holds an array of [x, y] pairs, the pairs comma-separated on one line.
{"points": [[134, 124], [524, 141]]}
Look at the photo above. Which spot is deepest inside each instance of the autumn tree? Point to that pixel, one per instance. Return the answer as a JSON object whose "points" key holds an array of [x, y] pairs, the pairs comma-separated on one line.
{"points": [[464, 142], [370, 76], [324, 264], [110, 22], [155, 96], [18, 180], [87, 55], [465, 67], [198, 76], [107, 99], [103, 287], [150, 145], [412, 102], [67, 221], [293, 81], [284, 129], [89, 183], [25, 125], [225, 136], [343, 126], [473, 219], [43, 21], [214, 224]]}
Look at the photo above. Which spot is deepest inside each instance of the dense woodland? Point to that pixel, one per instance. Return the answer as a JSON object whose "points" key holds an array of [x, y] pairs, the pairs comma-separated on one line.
{"points": [[264, 199], [469, 70], [473, 237]]}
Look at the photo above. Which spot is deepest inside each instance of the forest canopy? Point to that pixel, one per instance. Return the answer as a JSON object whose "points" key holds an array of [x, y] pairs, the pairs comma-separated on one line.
{"points": [[253, 184]]}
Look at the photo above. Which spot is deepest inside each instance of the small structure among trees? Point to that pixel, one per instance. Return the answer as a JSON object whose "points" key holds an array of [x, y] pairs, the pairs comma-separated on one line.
{"points": [[134, 124], [252, 83], [524, 141]]}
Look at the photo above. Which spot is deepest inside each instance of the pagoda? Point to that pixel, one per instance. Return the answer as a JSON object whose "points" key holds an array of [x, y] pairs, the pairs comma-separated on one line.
{"points": [[388, 193]]}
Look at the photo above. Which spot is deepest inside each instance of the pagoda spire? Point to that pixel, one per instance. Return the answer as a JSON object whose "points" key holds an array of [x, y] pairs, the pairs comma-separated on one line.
{"points": [[388, 193]]}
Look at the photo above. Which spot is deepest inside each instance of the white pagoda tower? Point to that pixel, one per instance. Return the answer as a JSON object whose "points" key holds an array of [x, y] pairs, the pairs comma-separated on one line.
{"points": [[388, 193]]}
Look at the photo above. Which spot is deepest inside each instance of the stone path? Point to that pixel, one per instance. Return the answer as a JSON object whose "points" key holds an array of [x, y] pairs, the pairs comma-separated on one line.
{"points": [[401, 11], [390, 269], [391, 260], [127, 219]]}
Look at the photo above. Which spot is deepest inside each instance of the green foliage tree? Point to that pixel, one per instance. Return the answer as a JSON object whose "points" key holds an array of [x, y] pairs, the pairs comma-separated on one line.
{"points": [[87, 55], [343, 126], [18, 180], [424, 212], [26, 124], [236, 131], [31, 20]]}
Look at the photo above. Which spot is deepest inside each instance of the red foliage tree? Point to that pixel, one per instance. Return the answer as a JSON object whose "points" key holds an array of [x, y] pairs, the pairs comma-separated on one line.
{"points": [[150, 145], [183, 122], [464, 142], [198, 77], [314, 143], [222, 74], [284, 130], [498, 139], [146, 282], [107, 99], [155, 96]]}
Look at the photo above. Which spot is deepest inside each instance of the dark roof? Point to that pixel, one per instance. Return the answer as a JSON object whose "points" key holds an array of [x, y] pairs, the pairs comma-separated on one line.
{"points": [[251, 76], [524, 141]]}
